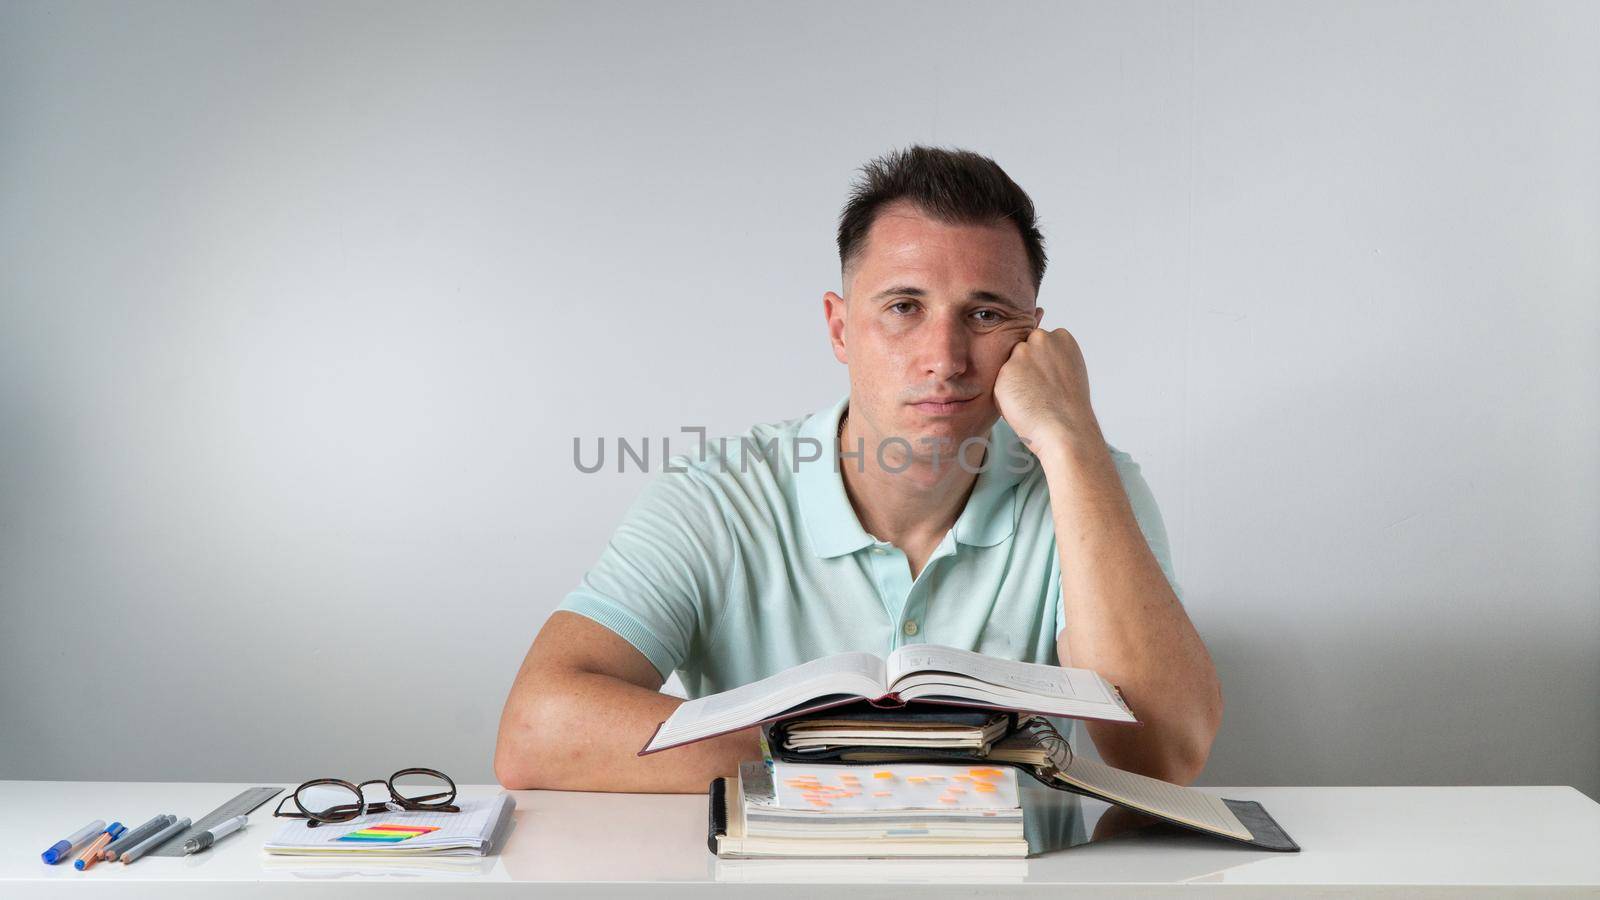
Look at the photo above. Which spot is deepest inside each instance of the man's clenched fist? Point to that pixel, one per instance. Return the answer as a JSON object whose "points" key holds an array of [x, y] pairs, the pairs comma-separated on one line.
{"points": [[1042, 390]]}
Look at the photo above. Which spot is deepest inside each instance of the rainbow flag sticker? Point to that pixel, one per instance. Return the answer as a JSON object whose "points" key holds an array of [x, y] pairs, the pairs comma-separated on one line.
{"points": [[388, 834]]}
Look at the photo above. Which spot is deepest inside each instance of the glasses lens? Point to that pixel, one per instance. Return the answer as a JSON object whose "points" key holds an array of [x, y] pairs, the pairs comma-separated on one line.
{"points": [[327, 801], [424, 789]]}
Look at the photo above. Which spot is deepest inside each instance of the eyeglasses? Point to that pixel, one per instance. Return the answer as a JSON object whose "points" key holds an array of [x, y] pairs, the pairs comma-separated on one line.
{"points": [[329, 800]]}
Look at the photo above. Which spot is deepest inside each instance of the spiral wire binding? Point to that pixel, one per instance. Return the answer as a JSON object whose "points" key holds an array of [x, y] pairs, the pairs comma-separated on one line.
{"points": [[1056, 748]]}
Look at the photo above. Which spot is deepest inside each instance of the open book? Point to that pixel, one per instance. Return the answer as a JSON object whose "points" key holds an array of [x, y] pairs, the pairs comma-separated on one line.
{"points": [[927, 673]]}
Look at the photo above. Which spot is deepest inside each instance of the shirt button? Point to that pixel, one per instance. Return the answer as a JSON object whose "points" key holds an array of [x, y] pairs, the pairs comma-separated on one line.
{"points": [[910, 627], [878, 550]]}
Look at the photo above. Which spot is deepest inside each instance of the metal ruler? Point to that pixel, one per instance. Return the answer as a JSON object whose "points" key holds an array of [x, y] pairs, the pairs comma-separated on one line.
{"points": [[241, 805]]}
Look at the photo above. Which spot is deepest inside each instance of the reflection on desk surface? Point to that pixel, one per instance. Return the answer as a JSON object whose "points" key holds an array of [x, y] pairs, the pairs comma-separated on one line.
{"points": [[277, 868], [1052, 820], [871, 871], [604, 837]]}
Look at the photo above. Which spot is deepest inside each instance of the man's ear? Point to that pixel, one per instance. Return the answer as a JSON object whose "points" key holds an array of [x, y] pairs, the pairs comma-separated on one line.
{"points": [[1038, 315], [834, 307]]}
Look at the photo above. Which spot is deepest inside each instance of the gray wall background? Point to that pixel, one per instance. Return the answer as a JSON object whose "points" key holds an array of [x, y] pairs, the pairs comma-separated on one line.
{"points": [[301, 308]]}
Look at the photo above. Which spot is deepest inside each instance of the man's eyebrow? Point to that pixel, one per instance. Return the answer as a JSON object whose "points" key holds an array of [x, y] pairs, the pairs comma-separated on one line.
{"points": [[906, 290]]}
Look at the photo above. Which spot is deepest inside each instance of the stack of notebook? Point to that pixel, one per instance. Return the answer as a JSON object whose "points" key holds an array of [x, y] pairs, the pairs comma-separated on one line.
{"points": [[788, 805], [963, 731], [923, 705], [904, 810]]}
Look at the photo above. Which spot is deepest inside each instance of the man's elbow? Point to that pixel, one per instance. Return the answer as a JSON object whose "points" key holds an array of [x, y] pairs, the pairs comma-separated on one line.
{"points": [[510, 769], [525, 755], [1190, 755], [1186, 762]]}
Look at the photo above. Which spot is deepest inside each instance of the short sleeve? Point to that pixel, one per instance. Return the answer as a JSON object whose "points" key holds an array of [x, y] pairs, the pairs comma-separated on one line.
{"points": [[1148, 514], [662, 568]]}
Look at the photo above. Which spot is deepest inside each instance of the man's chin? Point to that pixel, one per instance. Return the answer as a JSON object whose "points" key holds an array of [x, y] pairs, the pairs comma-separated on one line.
{"points": [[947, 432]]}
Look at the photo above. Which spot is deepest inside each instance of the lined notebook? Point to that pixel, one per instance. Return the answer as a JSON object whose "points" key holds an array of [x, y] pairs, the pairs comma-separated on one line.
{"points": [[465, 833], [1187, 806]]}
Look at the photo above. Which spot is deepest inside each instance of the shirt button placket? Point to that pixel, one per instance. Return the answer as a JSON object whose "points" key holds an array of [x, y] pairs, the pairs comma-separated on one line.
{"points": [[876, 561], [894, 583]]}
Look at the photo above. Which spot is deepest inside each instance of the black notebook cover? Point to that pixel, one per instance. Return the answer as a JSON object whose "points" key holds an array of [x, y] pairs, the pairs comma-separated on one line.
{"points": [[718, 813]]}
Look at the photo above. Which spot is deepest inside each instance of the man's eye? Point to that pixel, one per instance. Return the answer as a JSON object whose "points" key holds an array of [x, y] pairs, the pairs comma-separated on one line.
{"points": [[992, 316], [905, 303]]}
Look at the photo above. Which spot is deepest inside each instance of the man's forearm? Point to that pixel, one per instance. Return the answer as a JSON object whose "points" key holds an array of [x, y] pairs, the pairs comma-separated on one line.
{"points": [[582, 732], [1123, 620]]}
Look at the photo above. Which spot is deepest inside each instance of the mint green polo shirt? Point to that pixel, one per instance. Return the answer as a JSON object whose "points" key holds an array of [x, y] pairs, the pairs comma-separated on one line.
{"points": [[745, 557]]}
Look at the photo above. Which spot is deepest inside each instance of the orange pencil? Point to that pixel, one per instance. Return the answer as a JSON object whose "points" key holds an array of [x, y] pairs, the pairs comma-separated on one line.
{"points": [[91, 853]]}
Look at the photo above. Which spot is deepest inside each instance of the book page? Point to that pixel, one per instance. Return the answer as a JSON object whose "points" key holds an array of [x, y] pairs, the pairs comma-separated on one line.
{"points": [[930, 671], [1151, 795], [842, 668], [1032, 678], [858, 674]]}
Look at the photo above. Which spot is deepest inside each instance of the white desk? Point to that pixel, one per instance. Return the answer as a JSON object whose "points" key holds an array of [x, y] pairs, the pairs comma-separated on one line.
{"points": [[1380, 841]]}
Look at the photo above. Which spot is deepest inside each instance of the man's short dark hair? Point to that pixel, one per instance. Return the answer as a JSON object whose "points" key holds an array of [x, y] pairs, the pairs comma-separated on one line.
{"points": [[954, 186]]}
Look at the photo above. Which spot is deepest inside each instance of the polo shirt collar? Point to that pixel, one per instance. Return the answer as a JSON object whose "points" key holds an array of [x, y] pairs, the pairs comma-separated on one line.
{"points": [[831, 523]]}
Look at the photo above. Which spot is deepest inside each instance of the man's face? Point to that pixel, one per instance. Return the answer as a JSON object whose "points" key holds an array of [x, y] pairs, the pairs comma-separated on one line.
{"points": [[933, 311]]}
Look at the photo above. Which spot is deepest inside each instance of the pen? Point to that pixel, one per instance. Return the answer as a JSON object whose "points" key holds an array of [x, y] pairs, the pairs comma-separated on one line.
{"points": [[66, 846], [206, 838], [154, 841], [133, 836], [92, 852]]}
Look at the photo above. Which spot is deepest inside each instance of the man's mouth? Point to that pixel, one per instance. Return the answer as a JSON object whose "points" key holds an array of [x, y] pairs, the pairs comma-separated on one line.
{"points": [[943, 405]]}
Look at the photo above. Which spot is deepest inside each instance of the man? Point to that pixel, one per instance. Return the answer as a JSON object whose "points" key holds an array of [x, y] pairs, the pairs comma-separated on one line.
{"points": [[925, 517]]}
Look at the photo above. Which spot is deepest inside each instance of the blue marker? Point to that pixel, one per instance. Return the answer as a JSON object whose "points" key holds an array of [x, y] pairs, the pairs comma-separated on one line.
{"points": [[91, 853], [69, 844]]}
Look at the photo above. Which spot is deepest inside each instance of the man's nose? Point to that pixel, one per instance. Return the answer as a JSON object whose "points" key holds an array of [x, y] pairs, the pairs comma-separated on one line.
{"points": [[946, 348]]}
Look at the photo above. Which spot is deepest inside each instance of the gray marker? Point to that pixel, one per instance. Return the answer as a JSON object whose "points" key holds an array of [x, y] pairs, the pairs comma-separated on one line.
{"points": [[155, 840], [206, 838], [132, 838]]}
